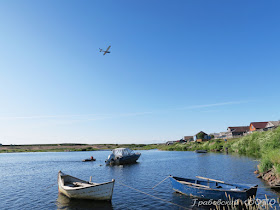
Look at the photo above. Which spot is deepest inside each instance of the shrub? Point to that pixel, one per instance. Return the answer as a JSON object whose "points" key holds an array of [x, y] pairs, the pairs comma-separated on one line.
{"points": [[265, 165]]}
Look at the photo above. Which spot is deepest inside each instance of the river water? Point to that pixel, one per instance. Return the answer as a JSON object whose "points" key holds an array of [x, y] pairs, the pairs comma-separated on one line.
{"points": [[28, 180]]}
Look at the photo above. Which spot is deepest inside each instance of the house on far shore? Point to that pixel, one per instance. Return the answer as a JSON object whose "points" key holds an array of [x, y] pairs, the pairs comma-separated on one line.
{"points": [[176, 141], [216, 135], [223, 135], [254, 126], [188, 138], [272, 124], [170, 142], [201, 136], [180, 141], [237, 131]]}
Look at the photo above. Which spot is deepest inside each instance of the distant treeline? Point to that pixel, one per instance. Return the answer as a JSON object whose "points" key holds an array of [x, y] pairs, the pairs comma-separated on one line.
{"points": [[75, 144], [69, 147], [39, 145]]}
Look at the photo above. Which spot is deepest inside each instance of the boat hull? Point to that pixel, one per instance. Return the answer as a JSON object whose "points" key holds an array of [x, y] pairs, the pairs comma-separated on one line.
{"points": [[210, 193], [124, 160], [103, 191], [89, 160]]}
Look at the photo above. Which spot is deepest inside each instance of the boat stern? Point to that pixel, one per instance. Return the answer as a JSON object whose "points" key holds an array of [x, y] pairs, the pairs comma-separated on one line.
{"points": [[251, 193]]}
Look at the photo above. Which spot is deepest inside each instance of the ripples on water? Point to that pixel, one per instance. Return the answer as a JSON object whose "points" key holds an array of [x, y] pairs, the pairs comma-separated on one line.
{"points": [[28, 180]]}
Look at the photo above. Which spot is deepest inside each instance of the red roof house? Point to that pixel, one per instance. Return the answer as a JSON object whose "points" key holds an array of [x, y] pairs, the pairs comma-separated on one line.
{"points": [[257, 125]]}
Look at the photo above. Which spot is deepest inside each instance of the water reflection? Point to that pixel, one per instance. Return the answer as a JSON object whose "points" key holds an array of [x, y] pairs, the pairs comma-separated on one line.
{"points": [[191, 202], [19, 171], [63, 202]]}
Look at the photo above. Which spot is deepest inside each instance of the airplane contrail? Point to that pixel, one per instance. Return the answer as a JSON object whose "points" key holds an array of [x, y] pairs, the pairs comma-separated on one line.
{"points": [[92, 117]]}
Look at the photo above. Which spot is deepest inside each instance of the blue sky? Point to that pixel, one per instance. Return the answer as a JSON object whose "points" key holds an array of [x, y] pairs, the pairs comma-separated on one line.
{"points": [[175, 68]]}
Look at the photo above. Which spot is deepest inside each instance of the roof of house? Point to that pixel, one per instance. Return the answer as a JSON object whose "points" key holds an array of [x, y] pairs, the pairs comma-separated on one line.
{"points": [[188, 137], [201, 132], [259, 125], [239, 128], [274, 123]]}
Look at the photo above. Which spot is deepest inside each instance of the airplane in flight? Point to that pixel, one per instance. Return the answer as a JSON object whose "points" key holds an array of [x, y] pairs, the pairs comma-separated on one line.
{"points": [[106, 51]]}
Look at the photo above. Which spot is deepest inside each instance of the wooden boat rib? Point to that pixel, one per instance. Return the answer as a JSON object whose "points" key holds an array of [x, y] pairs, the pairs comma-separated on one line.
{"points": [[215, 180], [73, 187], [209, 189]]}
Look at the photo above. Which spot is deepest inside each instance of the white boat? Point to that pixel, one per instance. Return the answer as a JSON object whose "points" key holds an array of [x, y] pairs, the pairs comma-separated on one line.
{"points": [[73, 187], [122, 156]]}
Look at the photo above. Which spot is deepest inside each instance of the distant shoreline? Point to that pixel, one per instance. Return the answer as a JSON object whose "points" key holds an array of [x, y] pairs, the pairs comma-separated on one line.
{"points": [[70, 147]]}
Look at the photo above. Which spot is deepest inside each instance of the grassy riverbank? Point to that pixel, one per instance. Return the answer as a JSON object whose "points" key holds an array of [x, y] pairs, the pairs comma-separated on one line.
{"points": [[262, 145]]}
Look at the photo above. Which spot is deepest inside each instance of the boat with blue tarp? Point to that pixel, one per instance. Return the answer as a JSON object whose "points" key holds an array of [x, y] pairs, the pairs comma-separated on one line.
{"points": [[121, 156], [207, 188]]}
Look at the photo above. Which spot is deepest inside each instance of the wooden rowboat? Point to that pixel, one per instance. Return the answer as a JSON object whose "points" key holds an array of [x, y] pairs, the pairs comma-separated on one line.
{"points": [[87, 160], [73, 187], [212, 189]]}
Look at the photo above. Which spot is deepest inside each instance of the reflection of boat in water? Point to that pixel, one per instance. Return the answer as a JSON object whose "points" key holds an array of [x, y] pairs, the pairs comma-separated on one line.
{"points": [[201, 151], [73, 187], [121, 156], [212, 189], [63, 202]]}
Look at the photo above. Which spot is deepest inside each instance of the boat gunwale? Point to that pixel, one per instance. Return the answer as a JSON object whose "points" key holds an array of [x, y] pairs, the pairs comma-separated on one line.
{"points": [[123, 156], [223, 190], [81, 187]]}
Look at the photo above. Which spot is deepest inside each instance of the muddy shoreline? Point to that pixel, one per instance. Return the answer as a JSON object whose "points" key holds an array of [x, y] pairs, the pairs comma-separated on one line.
{"points": [[271, 177]]}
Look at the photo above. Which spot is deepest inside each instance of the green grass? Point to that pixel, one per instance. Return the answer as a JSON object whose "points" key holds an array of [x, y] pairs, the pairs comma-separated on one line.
{"points": [[212, 145], [270, 160]]}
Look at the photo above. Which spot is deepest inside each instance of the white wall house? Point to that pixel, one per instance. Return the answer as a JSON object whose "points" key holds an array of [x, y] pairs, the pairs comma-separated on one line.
{"points": [[272, 124]]}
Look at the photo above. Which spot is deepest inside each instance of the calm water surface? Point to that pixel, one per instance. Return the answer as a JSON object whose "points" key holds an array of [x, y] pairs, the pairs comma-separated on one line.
{"points": [[28, 180]]}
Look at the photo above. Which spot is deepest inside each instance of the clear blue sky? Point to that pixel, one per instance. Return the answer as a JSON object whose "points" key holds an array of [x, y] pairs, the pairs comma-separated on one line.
{"points": [[175, 68]]}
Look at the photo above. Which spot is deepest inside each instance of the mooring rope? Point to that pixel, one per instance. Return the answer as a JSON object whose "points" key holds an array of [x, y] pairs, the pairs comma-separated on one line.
{"points": [[161, 182], [49, 186], [153, 196], [267, 187]]}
